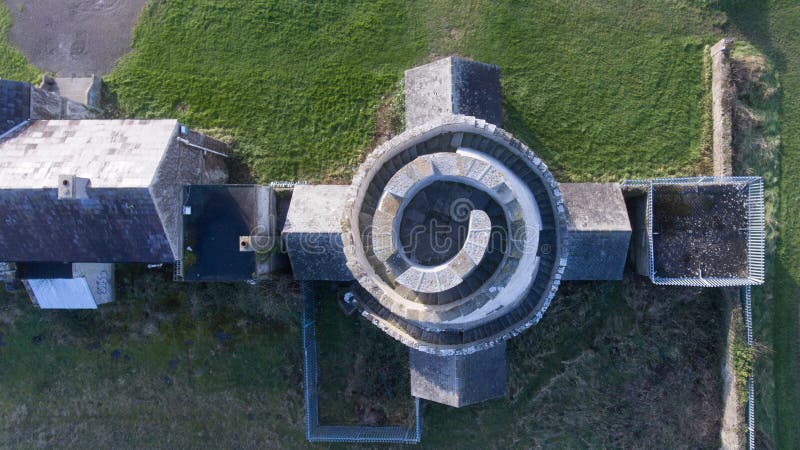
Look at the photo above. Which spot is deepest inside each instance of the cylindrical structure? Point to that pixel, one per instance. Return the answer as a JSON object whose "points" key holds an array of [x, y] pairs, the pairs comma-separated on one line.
{"points": [[453, 231]]}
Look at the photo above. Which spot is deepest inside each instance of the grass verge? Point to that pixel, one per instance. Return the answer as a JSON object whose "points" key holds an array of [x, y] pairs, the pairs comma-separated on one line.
{"points": [[13, 65], [606, 92], [771, 26]]}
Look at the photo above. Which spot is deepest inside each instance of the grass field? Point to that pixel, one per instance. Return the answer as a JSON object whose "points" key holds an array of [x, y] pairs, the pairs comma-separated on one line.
{"points": [[772, 26], [13, 64], [601, 91]]}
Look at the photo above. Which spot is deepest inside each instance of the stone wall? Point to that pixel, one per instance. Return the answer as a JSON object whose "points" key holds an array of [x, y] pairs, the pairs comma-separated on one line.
{"points": [[49, 106], [453, 86], [181, 165], [723, 93]]}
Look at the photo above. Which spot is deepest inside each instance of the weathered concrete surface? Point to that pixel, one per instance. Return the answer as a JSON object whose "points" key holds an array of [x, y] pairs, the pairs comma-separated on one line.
{"points": [[312, 233], [459, 380], [453, 86], [110, 153], [723, 93], [83, 90], [49, 105], [99, 277], [598, 231], [74, 37]]}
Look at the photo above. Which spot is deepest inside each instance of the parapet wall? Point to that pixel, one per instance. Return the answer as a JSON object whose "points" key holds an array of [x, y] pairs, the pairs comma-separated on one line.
{"points": [[20, 101], [723, 93]]}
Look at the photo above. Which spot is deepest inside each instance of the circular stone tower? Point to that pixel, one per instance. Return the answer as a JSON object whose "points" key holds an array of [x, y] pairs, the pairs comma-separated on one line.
{"points": [[453, 231]]}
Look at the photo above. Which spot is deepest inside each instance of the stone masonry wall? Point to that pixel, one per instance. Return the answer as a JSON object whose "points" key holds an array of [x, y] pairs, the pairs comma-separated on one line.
{"points": [[723, 93]]}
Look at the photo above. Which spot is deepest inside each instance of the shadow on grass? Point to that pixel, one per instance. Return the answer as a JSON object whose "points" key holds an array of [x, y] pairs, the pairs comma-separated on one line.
{"points": [[777, 383], [514, 122]]}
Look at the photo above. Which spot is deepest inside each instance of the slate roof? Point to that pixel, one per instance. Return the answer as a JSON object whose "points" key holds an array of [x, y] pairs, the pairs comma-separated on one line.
{"points": [[15, 104], [118, 222], [110, 153], [111, 225]]}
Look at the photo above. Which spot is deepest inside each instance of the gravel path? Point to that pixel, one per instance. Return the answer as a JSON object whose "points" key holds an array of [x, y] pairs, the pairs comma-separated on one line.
{"points": [[74, 37]]}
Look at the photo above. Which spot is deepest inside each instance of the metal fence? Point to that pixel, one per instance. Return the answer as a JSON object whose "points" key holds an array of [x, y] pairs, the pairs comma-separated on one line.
{"points": [[341, 433], [751, 401], [755, 232]]}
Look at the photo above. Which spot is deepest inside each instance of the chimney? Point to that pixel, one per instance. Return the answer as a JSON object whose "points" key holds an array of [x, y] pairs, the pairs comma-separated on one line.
{"points": [[72, 187]]}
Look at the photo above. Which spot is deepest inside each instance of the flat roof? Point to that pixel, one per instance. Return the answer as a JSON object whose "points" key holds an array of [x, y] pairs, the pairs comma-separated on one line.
{"points": [[595, 206], [110, 153], [220, 214]]}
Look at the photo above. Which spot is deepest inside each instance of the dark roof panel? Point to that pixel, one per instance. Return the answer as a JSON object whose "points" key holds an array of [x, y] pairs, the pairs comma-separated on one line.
{"points": [[111, 225], [15, 104]]}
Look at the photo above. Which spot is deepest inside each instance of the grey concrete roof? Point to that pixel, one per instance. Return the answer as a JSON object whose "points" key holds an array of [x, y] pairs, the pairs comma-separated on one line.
{"points": [[110, 153], [459, 380], [598, 231], [453, 85], [316, 209], [595, 206], [312, 233]]}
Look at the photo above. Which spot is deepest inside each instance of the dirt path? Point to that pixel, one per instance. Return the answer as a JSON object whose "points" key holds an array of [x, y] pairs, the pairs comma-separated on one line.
{"points": [[74, 37]]}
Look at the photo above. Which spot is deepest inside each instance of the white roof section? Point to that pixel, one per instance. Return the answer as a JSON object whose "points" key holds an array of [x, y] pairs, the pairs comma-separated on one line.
{"points": [[62, 293], [316, 209], [110, 153]]}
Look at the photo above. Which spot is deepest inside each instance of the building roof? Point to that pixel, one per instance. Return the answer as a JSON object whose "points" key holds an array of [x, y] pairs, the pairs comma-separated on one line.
{"points": [[61, 293], [595, 207], [453, 85], [598, 231], [110, 153], [111, 225], [316, 209], [459, 380], [312, 233], [15, 104], [216, 218]]}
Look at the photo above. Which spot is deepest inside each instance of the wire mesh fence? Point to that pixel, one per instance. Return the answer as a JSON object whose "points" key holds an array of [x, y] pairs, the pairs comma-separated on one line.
{"points": [[315, 432], [755, 230], [751, 415]]}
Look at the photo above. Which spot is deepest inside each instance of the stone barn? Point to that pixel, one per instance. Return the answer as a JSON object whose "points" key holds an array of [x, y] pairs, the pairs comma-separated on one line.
{"points": [[80, 195]]}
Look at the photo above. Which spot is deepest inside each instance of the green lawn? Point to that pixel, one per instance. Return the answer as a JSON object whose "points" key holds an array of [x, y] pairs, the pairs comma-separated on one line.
{"points": [[601, 91], [13, 65]]}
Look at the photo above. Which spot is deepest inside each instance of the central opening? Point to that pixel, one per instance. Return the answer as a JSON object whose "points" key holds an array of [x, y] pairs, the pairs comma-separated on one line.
{"points": [[435, 222]]}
